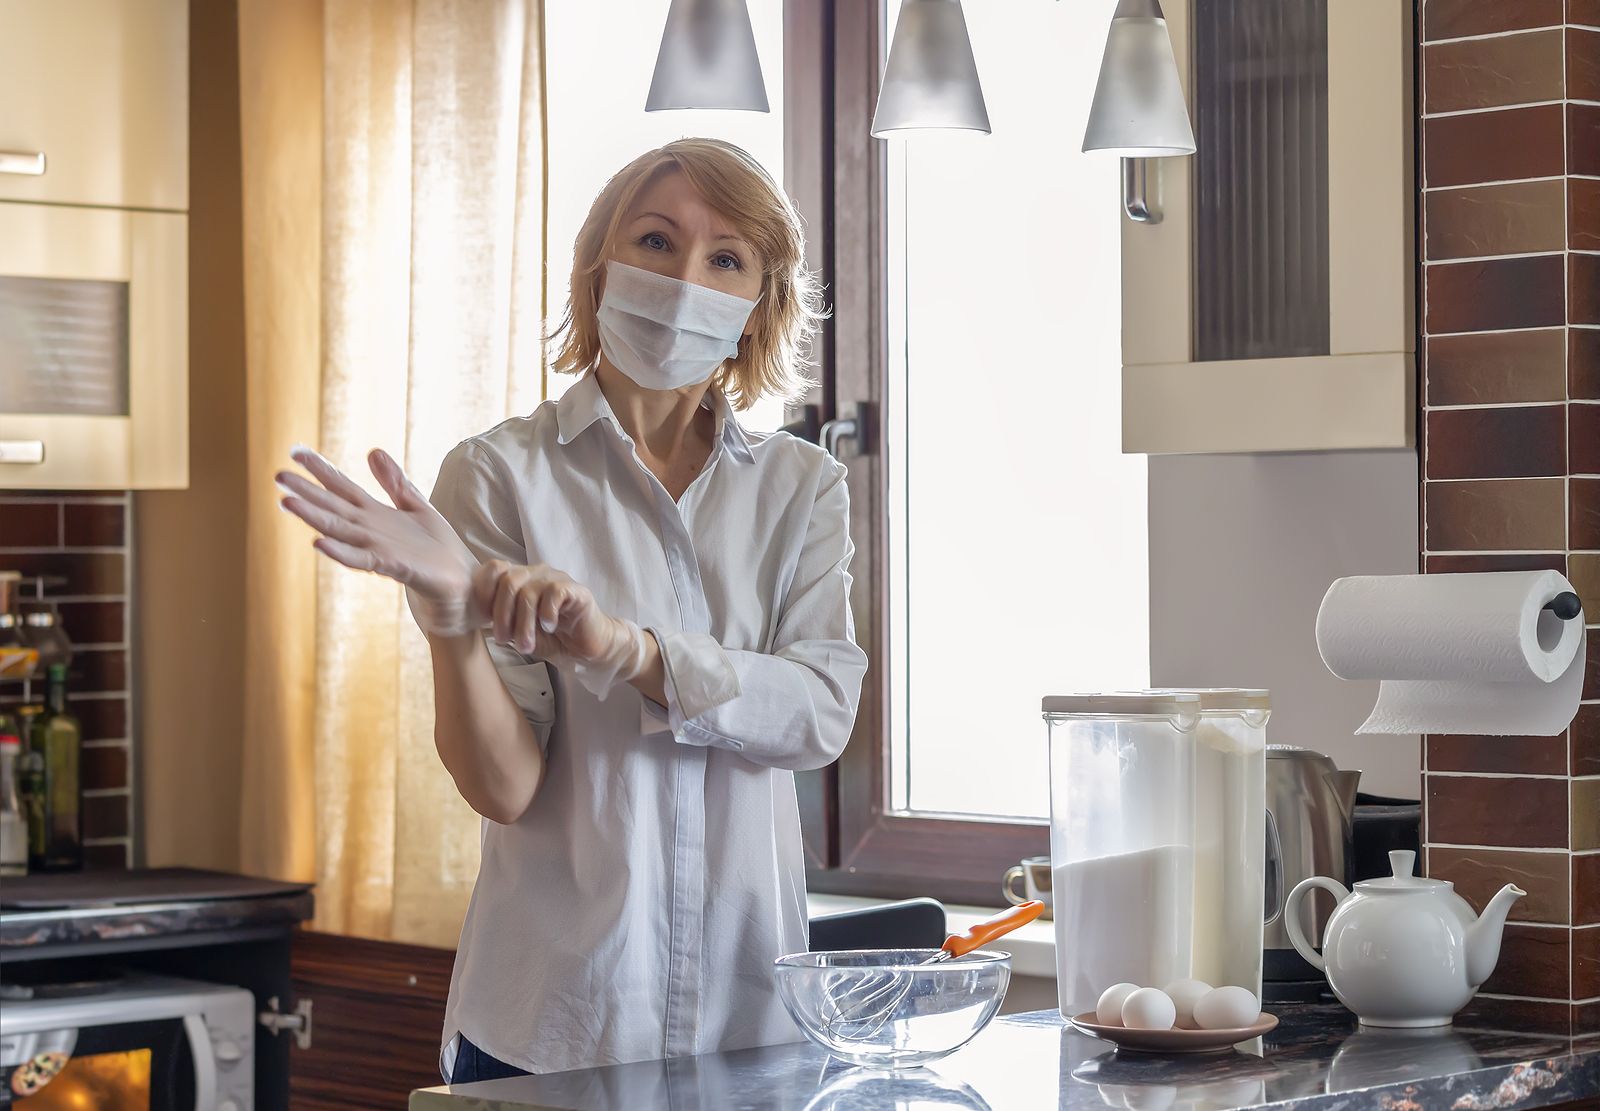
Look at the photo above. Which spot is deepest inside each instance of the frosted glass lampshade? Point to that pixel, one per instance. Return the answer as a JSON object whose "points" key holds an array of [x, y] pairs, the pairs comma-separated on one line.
{"points": [[1138, 108], [707, 59], [930, 80]]}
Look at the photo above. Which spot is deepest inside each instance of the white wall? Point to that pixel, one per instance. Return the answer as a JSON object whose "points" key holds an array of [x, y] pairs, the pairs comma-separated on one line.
{"points": [[1242, 548]]}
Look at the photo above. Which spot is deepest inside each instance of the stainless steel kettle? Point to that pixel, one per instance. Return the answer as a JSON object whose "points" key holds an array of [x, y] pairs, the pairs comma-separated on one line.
{"points": [[1310, 811]]}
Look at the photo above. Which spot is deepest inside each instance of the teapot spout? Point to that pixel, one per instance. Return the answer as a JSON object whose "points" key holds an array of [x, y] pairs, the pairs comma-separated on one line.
{"points": [[1483, 936]]}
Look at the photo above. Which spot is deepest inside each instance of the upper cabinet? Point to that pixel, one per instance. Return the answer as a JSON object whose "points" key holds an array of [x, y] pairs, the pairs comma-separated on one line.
{"points": [[94, 102], [1267, 303]]}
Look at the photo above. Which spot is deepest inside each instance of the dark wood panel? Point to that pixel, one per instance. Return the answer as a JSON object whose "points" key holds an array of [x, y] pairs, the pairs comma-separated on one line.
{"points": [[377, 1010]]}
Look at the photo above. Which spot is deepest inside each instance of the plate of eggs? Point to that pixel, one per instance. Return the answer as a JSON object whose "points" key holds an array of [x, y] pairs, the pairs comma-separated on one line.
{"points": [[1187, 1016]]}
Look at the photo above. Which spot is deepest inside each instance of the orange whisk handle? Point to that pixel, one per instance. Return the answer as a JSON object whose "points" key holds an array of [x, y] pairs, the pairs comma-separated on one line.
{"points": [[959, 945]]}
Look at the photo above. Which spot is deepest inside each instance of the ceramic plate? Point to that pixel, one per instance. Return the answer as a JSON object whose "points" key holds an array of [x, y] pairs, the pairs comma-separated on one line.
{"points": [[1173, 1041]]}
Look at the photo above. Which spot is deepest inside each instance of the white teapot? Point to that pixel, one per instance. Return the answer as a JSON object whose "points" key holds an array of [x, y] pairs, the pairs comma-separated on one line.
{"points": [[1402, 950]]}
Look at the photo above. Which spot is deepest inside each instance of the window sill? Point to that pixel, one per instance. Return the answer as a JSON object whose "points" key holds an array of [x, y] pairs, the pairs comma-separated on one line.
{"points": [[1032, 948]]}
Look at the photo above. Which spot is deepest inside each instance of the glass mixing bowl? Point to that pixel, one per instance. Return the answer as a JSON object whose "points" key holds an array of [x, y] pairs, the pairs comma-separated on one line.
{"points": [[884, 1009]]}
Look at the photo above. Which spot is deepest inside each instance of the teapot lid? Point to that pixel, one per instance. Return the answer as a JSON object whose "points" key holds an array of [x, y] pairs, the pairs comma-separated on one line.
{"points": [[1403, 863]]}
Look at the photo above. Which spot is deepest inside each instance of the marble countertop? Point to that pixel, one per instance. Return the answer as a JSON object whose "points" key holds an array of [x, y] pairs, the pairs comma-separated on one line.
{"points": [[1316, 1060]]}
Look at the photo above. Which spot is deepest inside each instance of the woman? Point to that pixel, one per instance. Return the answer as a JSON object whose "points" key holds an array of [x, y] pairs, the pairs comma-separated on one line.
{"points": [[670, 638]]}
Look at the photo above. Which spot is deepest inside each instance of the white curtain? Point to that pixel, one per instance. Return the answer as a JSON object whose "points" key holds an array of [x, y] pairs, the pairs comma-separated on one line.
{"points": [[430, 296]]}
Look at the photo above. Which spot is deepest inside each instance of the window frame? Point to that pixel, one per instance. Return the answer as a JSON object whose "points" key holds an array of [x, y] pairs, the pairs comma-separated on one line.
{"points": [[835, 171]]}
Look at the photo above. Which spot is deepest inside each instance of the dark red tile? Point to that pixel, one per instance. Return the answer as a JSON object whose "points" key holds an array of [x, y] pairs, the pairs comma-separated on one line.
{"points": [[1583, 288], [1508, 813], [1583, 139], [1493, 72], [1586, 889], [1584, 12], [102, 719], [105, 767], [1511, 755], [1583, 571], [1486, 515], [1493, 146], [30, 524], [94, 526], [1583, 64], [94, 622], [94, 573], [1583, 214], [1479, 873], [1585, 740], [1516, 218], [1525, 441], [99, 670], [1489, 368], [106, 857], [1493, 295], [1583, 363], [1585, 821], [105, 816], [1449, 19], [1583, 429], [1586, 962], [1524, 1016], [1463, 564], [1534, 960], [1583, 512]]}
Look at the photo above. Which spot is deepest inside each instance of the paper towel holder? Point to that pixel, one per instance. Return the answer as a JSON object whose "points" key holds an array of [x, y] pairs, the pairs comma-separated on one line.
{"points": [[1565, 605]]}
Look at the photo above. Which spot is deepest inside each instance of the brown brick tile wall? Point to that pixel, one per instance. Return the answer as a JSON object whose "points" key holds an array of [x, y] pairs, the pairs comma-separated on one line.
{"points": [[1510, 442], [83, 538]]}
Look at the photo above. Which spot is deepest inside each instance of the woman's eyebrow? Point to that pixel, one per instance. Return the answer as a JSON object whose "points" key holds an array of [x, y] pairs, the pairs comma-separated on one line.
{"points": [[674, 223]]}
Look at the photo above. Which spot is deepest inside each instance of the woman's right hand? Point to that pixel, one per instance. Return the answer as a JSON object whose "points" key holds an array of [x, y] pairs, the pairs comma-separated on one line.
{"points": [[409, 542]]}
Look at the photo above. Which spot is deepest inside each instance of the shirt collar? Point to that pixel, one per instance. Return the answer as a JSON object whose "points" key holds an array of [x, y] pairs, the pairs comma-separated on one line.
{"points": [[584, 403]]}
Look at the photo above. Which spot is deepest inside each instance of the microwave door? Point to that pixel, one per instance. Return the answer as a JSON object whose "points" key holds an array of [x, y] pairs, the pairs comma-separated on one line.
{"points": [[150, 1065]]}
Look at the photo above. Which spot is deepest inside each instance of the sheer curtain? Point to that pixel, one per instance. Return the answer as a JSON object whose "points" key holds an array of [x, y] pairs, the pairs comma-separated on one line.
{"points": [[394, 169]]}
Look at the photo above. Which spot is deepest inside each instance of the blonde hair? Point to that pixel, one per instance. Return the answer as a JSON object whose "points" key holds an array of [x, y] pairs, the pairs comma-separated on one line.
{"points": [[735, 184]]}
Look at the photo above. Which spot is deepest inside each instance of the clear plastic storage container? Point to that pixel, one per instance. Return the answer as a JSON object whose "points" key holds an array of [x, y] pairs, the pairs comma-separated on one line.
{"points": [[1230, 770], [1122, 850]]}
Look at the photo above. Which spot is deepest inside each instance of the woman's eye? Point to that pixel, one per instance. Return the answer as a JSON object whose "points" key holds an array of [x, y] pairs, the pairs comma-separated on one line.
{"points": [[654, 240], [727, 262]]}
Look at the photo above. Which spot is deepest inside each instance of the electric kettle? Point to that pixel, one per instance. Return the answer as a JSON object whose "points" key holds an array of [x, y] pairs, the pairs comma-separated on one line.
{"points": [[1310, 808]]}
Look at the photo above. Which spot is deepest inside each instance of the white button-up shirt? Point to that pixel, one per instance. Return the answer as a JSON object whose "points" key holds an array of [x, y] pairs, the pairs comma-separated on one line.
{"points": [[634, 911]]}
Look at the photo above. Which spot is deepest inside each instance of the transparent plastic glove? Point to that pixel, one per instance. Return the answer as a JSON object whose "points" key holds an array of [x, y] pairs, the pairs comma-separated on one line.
{"points": [[545, 613], [409, 542]]}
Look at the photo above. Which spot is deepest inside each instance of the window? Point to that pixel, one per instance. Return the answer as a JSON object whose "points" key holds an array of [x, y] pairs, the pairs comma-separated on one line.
{"points": [[1001, 532], [599, 59]]}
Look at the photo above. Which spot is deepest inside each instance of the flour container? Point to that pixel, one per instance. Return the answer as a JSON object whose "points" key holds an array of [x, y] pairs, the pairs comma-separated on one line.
{"points": [[1230, 767], [1122, 843]]}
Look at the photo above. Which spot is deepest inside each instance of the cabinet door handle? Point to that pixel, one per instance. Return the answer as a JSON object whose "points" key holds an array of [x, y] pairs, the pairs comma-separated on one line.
{"points": [[21, 451], [28, 162]]}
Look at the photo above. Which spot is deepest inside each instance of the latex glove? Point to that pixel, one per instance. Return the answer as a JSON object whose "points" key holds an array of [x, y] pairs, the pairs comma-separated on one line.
{"points": [[545, 613], [409, 542]]}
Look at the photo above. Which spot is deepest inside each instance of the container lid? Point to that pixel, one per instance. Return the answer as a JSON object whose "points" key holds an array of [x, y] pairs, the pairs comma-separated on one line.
{"points": [[1149, 703], [10, 740], [1241, 699], [1402, 863]]}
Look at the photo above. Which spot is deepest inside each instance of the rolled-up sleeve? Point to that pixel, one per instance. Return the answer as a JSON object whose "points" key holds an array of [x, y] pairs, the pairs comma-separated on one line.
{"points": [[473, 496], [793, 707]]}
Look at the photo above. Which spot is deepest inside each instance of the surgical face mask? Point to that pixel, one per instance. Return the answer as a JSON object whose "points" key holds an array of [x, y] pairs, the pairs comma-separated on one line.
{"points": [[664, 333]]}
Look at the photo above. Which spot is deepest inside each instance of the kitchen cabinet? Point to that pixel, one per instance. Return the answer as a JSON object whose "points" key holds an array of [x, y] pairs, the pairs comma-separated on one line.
{"points": [[1269, 305], [94, 102]]}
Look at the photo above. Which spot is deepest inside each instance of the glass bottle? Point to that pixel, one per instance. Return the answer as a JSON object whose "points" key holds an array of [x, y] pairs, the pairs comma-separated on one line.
{"points": [[13, 826], [60, 741]]}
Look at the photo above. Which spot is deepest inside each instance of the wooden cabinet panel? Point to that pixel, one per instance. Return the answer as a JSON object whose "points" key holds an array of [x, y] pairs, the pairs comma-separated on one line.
{"points": [[377, 1010], [100, 88]]}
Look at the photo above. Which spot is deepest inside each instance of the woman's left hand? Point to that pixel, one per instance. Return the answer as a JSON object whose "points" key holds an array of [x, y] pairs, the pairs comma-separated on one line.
{"points": [[545, 613]]}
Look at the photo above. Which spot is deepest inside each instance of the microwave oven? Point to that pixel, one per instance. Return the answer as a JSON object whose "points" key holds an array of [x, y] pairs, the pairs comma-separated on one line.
{"points": [[137, 1043], [94, 348]]}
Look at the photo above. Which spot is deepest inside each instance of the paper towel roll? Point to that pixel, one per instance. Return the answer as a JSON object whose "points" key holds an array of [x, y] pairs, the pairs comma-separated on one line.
{"points": [[1474, 653]]}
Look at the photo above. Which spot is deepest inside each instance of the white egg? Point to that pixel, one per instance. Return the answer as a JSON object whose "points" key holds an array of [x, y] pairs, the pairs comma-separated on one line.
{"points": [[1226, 1008], [1148, 1009], [1108, 1012], [1185, 994]]}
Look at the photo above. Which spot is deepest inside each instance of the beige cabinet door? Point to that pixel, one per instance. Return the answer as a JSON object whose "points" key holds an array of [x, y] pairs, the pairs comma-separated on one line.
{"points": [[94, 102]]}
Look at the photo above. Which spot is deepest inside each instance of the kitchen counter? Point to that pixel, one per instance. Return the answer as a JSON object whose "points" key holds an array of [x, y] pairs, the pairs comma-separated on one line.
{"points": [[1316, 1060]]}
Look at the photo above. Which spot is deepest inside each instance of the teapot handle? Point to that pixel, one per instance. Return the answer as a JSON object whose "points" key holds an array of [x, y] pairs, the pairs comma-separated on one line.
{"points": [[1291, 914]]}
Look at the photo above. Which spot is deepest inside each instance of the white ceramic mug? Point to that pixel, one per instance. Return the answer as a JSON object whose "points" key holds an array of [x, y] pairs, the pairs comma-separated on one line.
{"points": [[1034, 872]]}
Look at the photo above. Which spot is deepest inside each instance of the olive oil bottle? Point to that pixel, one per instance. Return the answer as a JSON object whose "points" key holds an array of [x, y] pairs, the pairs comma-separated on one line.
{"points": [[58, 740]]}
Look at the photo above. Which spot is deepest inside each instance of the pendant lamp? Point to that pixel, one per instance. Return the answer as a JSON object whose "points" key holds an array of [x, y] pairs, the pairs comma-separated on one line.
{"points": [[930, 80], [1138, 108], [707, 59]]}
